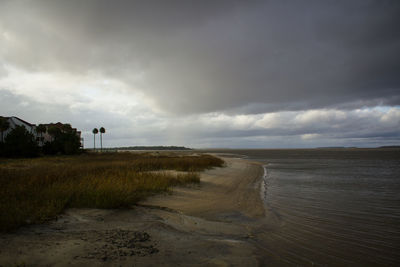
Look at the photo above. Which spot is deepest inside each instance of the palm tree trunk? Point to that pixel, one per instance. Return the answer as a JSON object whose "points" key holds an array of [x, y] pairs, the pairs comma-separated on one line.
{"points": [[94, 142], [101, 142]]}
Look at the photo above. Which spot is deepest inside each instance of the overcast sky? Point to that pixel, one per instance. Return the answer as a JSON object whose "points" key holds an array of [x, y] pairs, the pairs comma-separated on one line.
{"points": [[206, 73]]}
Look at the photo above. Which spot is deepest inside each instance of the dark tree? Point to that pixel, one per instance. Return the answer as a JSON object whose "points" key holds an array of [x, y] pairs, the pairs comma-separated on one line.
{"points": [[102, 131], [4, 125], [54, 131], [65, 140], [69, 143], [95, 131], [66, 128], [20, 143]]}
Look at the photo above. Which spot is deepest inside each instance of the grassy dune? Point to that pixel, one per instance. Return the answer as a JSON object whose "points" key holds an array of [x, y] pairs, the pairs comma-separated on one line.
{"points": [[36, 190]]}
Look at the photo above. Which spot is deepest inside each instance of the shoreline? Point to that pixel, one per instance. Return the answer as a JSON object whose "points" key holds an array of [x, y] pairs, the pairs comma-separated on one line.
{"points": [[211, 224]]}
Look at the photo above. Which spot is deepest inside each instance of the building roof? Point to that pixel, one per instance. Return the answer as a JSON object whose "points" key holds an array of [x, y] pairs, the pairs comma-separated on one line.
{"points": [[30, 124]]}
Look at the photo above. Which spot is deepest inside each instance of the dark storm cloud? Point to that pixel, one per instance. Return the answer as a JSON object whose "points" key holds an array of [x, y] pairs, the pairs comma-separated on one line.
{"points": [[202, 56]]}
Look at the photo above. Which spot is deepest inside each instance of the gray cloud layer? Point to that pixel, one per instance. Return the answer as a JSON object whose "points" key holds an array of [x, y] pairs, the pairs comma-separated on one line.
{"points": [[366, 127], [204, 56]]}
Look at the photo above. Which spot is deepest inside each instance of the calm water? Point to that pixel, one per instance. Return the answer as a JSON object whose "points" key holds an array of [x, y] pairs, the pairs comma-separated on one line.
{"points": [[331, 207]]}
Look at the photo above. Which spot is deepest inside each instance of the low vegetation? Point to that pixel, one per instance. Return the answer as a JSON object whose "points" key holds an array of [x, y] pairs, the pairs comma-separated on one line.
{"points": [[36, 190]]}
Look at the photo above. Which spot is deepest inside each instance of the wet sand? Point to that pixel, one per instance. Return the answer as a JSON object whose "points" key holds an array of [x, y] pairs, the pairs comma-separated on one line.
{"points": [[210, 224]]}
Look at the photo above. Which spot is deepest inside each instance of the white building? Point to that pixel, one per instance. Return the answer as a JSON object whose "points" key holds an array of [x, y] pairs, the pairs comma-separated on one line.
{"points": [[15, 121]]}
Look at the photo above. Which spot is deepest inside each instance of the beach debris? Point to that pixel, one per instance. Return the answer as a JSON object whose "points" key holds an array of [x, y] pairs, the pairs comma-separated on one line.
{"points": [[118, 244]]}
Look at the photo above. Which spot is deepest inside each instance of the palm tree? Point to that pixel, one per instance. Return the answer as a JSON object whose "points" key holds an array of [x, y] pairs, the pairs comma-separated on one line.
{"points": [[102, 131], [95, 131], [4, 125]]}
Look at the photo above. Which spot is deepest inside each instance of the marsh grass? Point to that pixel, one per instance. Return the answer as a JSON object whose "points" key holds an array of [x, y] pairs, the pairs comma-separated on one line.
{"points": [[36, 190]]}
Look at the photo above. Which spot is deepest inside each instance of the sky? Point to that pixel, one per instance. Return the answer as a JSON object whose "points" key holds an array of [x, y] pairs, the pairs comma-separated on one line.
{"points": [[226, 74]]}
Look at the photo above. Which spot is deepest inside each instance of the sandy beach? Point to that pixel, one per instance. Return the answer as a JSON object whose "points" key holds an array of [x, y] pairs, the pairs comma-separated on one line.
{"points": [[210, 224]]}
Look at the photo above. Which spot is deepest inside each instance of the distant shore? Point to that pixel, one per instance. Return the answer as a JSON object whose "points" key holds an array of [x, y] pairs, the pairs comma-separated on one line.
{"points": [[212, 224], [151, 148]]}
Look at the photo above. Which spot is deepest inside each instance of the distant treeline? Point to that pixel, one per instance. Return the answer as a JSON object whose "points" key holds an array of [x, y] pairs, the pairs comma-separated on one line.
{"points": [[151, 148], [335, 147], [354, 147]]}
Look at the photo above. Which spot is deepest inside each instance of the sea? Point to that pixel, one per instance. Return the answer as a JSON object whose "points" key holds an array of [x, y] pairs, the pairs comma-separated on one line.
{"points": [[329, 207]]}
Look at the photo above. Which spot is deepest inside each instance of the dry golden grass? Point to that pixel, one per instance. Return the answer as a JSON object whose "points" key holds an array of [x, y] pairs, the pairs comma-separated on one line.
{"points": [[36, 190]]}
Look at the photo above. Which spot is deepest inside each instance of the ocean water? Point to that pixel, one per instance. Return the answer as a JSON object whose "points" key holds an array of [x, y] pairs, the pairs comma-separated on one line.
{"points": [[330, 207]]}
